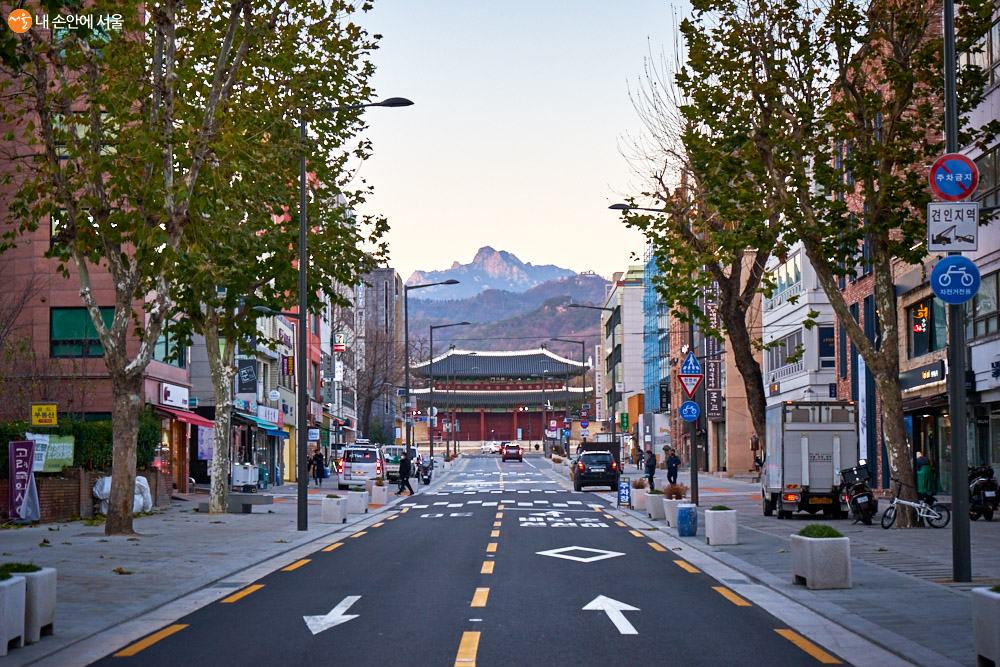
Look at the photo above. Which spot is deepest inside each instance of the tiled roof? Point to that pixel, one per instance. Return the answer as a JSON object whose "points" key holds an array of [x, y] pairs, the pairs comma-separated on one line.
{"points": [[461, 364], [529, 398]]}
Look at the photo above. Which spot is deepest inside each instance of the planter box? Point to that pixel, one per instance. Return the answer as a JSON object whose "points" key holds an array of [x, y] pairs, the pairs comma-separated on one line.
{"points": [[11, 612], [986, 625], [720, 527], [39, 603], [357, 502], [369, 485], [821, 562], [380, 495], [639, 499], [654, 506], [670, 510], [334, 510]]}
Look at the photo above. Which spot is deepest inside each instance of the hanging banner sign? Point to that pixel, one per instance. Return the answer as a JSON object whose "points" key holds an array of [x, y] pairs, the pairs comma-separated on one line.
{"points": [[22, 497]]}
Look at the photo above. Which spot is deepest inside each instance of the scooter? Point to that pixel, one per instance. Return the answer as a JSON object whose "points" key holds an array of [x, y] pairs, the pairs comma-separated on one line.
{"points": [[426, 466], [855, 492], [983, 493]]}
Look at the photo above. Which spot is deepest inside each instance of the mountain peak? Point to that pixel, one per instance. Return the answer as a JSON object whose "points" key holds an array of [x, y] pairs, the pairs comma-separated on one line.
{"points": [[489, 269]]}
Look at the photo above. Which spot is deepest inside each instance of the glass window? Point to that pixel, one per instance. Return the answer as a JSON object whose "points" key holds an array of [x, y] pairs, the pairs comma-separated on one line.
{"points": [[168, 352], [827, 348], [72, 333], [927, 323], [982, 312]]}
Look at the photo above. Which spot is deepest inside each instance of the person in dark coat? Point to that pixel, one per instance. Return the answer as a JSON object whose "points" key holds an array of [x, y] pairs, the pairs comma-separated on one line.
{"points": [[318, 467], [925, 476], [404, 473], [650, 468], [673, 463]]}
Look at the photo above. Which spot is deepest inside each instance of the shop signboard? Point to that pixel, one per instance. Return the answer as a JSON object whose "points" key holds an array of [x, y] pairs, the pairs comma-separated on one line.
{"points": [[44, 414], [922, 375], [246, 376]]}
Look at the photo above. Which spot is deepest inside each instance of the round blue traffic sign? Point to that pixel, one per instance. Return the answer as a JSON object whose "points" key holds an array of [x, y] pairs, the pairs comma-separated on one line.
{"points": [[955, 279], [953, 177], [689, 411], [584, 423]]}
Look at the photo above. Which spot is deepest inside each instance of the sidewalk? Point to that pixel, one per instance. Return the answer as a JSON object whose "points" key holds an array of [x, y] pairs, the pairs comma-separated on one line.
{"points": [[902, 598], [114, 590]]}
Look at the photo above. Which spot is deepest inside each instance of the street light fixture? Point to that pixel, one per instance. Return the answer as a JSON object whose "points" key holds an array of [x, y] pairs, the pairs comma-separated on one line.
{"points": [[406, 352], [431, 414]]}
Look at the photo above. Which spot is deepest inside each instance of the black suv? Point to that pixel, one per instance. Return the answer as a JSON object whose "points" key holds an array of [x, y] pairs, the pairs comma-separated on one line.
{"points": [[595, 468], [511, 450]]}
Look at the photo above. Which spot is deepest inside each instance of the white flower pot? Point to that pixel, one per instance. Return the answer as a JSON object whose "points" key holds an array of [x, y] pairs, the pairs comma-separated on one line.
{"points": [[39, 602], [720, 527], [986, 625], [670, 510], [11, 612], [639, 499], [357, 502], [369, 485], [380, 495], [654, 506], [821, 562], [334, 510]]}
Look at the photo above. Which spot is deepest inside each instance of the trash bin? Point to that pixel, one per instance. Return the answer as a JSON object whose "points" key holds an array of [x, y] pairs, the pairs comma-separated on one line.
{"points": [[262, 477], [687, 520]]}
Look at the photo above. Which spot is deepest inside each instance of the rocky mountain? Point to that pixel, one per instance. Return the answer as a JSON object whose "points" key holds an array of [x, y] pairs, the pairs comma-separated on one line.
{"points": [[489, 269]]}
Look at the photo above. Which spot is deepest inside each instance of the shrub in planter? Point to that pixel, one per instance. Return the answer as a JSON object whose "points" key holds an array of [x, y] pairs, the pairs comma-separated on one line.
{"points": [[986, 624], [12, 602], [638, 494], [720, 525], [639, 483], [675, 491], [654, 504], [380, 492], [821, 557], [39, 598], [379, 481], [556, 459]]}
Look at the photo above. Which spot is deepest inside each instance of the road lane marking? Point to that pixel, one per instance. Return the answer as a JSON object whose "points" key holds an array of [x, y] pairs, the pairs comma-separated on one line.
{"points": [[491, 548], [296, 565], [404, 510], [149, 641], [488, 567], [731, 596], [636, 533], [390, 518], [479, 599], [359, 534], [333, 546], [380, 523], [318, 624], [614, 609], [242, 594], [808, 647], [467, 650], [658, 547], [496, 524], [608, 516], [499, 515], [495, 533], [619, 523], [687, 566]]}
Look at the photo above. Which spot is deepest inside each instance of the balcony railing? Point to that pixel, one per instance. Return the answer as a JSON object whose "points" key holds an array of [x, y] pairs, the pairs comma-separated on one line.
{"points": [[782, 298], [787, 371]]}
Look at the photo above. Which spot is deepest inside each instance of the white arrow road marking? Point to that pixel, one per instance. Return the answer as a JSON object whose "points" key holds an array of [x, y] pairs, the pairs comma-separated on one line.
{"points": [[614, 609], [336, 616], [556, 513]]}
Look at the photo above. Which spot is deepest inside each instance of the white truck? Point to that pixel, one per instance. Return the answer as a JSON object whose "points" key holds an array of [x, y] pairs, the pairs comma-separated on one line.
{"points": [[808, 444]]}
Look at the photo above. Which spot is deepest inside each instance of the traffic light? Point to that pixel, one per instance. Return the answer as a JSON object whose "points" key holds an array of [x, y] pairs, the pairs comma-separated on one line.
{"points": [[521, 408]]}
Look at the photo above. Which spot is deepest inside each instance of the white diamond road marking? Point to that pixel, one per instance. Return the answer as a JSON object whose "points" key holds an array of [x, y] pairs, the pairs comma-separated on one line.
{"points": [[599, 554]]}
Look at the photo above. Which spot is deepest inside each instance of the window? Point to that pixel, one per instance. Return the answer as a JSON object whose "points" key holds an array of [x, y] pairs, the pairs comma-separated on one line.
{"points": [[927, 325], [989, 57], [72, 334], [843, 351], [314, 381], [988, 190], [168, 352], [827, 349], [982, 313], [779, 353]]}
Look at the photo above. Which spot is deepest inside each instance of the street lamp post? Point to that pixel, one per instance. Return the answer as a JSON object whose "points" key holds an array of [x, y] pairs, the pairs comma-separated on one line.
{"points": [[614, 422], [544, 404], [431, 413], [406, 352]]}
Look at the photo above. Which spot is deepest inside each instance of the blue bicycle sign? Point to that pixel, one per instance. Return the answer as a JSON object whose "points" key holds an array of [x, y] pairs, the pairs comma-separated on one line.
{"points": [[955, 279], [689, 411]]}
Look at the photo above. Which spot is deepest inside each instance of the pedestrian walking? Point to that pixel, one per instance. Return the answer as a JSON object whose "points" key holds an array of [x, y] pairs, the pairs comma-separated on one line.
{"points": [[639, 460], [651, 468], [404, 473], [318, 467], [925, 476], [673, 463]]}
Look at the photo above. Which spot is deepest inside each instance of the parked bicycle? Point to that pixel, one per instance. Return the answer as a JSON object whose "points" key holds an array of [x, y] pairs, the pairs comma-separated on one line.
{"points": [[936, 514]]}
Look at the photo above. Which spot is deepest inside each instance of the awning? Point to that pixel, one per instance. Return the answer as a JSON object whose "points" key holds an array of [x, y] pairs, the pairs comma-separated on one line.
{"points": [[277, 432], [187, 417], [257, 421]]}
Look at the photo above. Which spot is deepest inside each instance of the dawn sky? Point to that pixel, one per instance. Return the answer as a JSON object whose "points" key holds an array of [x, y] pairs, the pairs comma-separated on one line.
{"points": [[513, 141]]}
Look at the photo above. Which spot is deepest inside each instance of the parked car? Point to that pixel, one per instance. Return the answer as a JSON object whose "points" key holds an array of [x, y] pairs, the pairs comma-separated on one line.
{"points": [[595, 469], [359, 464], [511, 450]]}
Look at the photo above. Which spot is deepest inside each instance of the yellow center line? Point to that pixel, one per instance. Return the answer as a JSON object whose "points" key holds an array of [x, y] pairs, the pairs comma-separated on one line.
{"points": [[808, 647], [487, 567], [731, 596], [491, 548], [658, 547], [390, 518], [608, 516], [149, 641], [636, 533], [467, 650], [499, 515], [495, 533], [296, 565], [619, 523], [242, 594], [479, 599], [497, 524], [380, 523], [333, 546], [687, 566], [359, 534], [404, 510]]}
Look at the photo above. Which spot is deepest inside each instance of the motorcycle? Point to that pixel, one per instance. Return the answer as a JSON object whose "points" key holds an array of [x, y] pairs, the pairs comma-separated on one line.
{"points": [[856, 493], [426, 466], [983, 493]]}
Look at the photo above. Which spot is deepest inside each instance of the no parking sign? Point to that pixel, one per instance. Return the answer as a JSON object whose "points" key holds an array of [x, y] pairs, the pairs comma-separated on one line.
{"points": [[953, 177]]}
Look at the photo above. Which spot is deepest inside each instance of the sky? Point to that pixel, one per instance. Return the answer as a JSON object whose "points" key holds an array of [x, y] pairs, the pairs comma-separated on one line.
{"points": [[520, 109]]}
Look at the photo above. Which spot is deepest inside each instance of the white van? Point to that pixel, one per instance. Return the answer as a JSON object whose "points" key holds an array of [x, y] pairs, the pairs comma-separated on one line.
{"points": [[358, 464]]}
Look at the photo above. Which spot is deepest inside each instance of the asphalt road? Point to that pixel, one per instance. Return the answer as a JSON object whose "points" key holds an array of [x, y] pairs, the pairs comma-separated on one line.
{"points": [[499, 566]]}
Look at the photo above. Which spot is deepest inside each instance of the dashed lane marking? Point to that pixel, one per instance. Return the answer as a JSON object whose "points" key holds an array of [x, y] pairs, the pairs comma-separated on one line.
{"points": [[658, 547], [619, 523], [495, 533], [333, 546], [296, 565], [497, 524], [808, 647], [390, 518], [149, 641], [731, 596], [487, 567], [467, 650], [684, 565], [358, 534], [479, 599], [491, 548], [380, 523], [636, 533], [242, 594]]}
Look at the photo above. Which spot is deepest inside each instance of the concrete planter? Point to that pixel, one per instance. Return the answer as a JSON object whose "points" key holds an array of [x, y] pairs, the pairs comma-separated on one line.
{"points": [[334, 510], [670, 510], [654, 506], [986, 625], [720, 527], [380, 495], [357, 502], [639, 499], [11, 612], [821, 562], [369, 485], [39, 602]]}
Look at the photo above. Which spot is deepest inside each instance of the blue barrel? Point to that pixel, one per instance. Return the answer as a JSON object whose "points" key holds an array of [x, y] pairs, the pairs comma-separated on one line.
{"points": [[687, 520]]}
